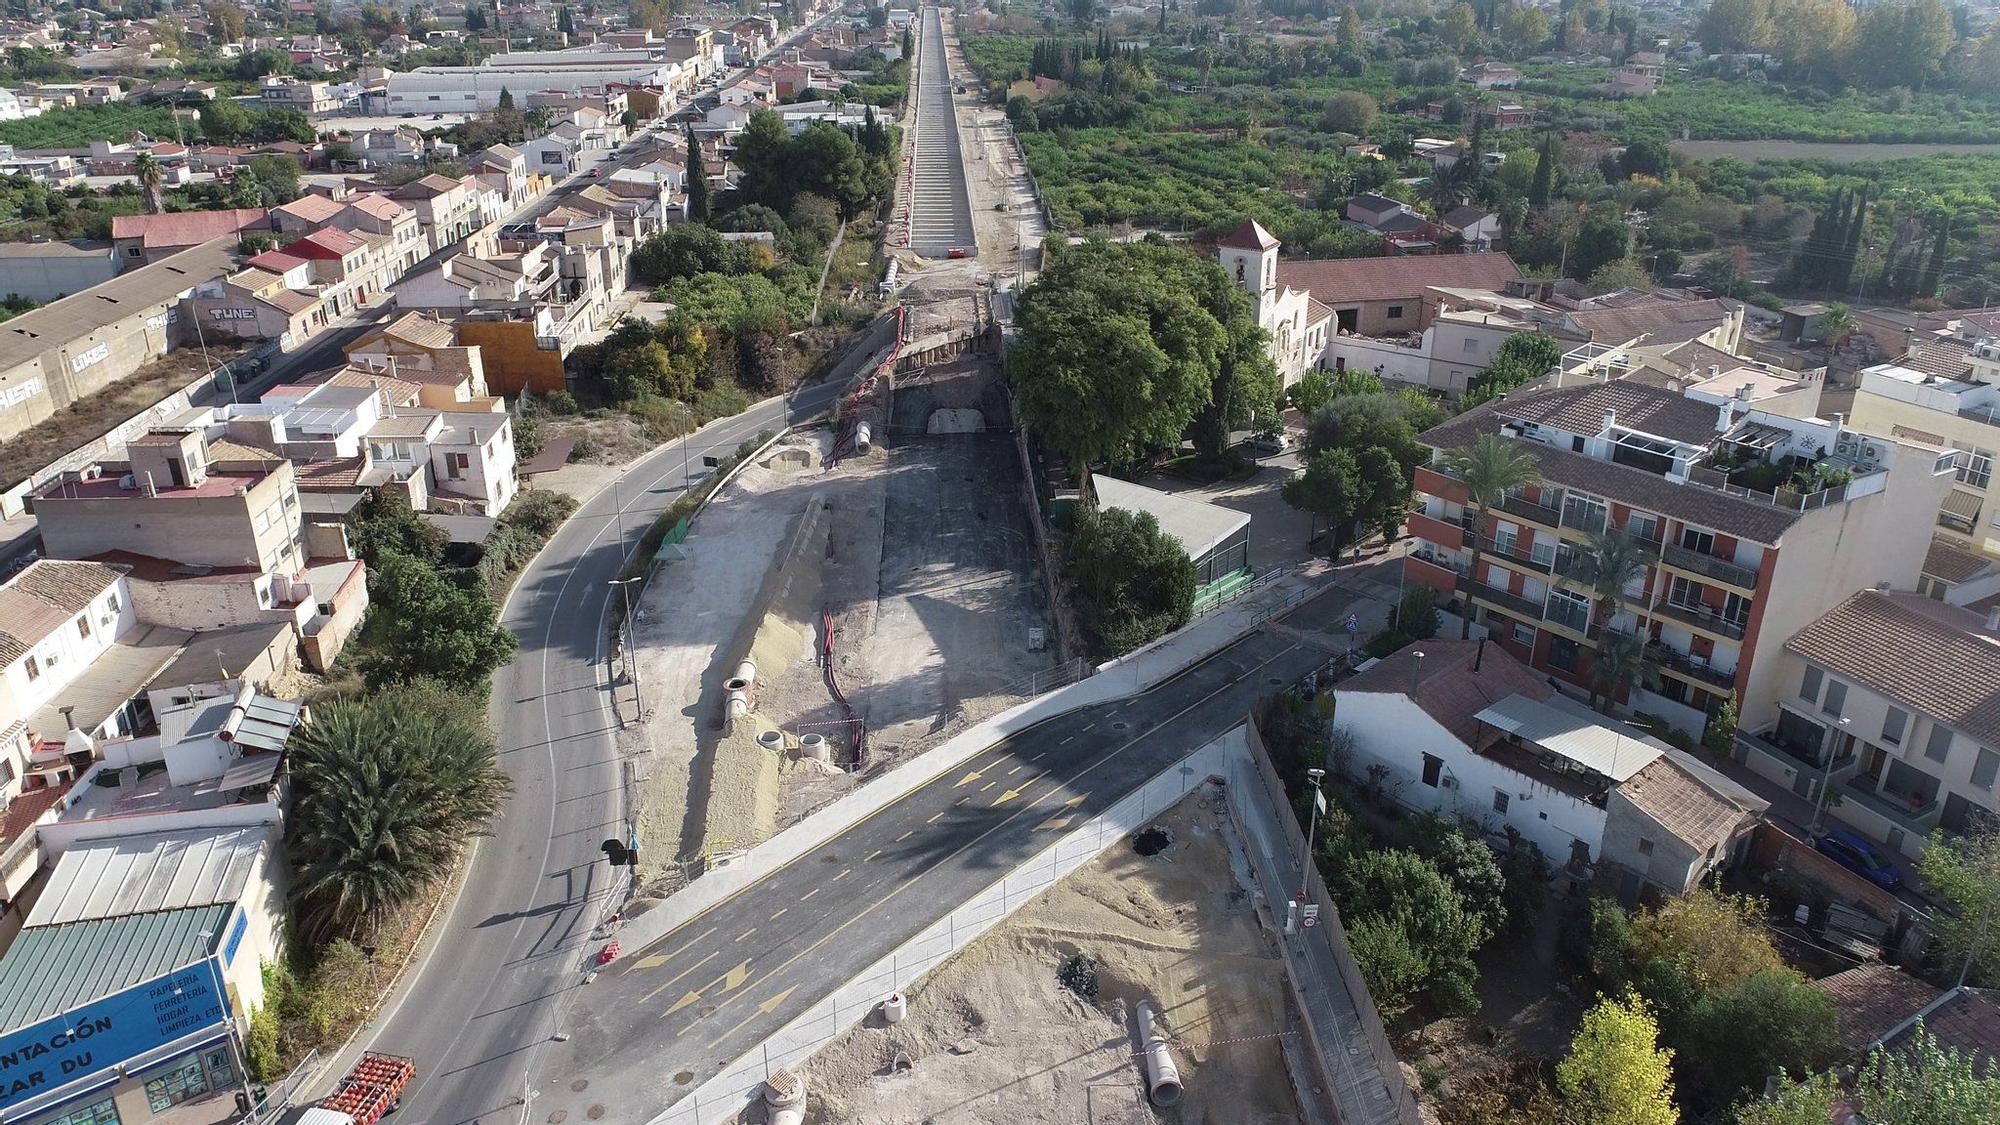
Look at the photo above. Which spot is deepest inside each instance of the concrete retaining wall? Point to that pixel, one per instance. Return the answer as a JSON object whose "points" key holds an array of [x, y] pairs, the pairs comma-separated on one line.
{"points": [[720, 1098]]}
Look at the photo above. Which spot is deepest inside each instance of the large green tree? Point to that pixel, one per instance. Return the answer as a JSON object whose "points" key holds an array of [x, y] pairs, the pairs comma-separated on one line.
{"points": [[1616, 1073], [386, 788], [1124, 346], [1964, 871], [425, 624], [1412, 933], [1921, 1082], [1132, 581]]}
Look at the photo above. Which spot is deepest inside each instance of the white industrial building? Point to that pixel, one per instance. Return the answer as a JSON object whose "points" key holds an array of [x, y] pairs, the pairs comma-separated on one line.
{"points": [[458, 89]]}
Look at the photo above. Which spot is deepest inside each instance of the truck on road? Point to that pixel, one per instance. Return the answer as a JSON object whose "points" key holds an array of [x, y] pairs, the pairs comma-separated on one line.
{"points": [[371, 1090]]}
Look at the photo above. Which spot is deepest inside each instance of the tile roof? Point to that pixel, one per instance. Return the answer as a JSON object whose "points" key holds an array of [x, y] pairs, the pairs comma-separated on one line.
{"points": [[1966, 1020], [1448, 689], [186, 228], [291, 301], [1936, 659], [378, 206], [1637, 488], [331, 238], [1649, 410], [312, 208], [1346, 281], [1659, 320], [1872, 1000], [277, 261], [398, 391], [426, 187], [416, 328], [336, 475], [46, 596], [1953, 562], [1250, 236], [1943, 356], [1677, 801]]}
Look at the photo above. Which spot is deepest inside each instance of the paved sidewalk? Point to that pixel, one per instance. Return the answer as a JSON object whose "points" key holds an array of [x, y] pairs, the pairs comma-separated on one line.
{"points": [[1362, 1090]]}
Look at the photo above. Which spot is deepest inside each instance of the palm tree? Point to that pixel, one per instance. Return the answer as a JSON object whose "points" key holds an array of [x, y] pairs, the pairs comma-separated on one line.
{"points": [[151, 183], [1611, 564], [1835, 323], [1490, 469], [386, 788], [1619, 664]]}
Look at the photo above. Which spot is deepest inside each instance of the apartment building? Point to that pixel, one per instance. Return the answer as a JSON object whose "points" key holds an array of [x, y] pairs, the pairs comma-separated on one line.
{"points": [[271, 298], [56, 619], [1946, 390], [1753, 525], [425, 350], [177, 502], [1888, 697], [447, 208], [393, 232], [305, 95]]}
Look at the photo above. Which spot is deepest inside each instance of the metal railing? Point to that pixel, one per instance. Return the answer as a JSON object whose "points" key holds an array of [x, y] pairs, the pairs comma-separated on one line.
{"points": [[1709, 566], [1689, 665], [1701, 617], [1569, 615]]}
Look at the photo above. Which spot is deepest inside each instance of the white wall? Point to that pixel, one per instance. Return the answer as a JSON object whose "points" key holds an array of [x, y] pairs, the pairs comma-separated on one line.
{"points": [[1393, 732], [1366, 353]]}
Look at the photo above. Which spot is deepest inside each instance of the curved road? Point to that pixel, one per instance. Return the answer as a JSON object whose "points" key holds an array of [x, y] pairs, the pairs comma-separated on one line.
{"points": [[481, 1006]]}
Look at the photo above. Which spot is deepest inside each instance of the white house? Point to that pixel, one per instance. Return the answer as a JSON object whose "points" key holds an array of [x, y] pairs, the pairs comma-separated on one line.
{"points": [[1462, 729]]}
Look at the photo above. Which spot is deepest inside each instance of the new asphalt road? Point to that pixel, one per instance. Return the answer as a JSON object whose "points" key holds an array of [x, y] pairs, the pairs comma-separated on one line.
{"points": [[478, 1011], [665, 1018]]}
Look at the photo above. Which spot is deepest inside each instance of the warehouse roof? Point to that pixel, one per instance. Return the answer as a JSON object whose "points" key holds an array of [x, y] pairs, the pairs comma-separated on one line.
{"points": [[52, 969], [25, 337], [1199, 527], [158, 871]]}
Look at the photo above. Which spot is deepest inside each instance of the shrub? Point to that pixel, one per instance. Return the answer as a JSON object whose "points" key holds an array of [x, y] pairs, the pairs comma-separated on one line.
{"points": [[539, 511]]}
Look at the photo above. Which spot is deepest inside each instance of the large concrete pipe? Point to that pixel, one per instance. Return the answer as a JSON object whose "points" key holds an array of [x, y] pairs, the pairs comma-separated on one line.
{"points": [[814, 746], [1163, 1078], [744, 679], [862, 436], [785, 1095], [738, 705], [772, 740], [895, 1008]]}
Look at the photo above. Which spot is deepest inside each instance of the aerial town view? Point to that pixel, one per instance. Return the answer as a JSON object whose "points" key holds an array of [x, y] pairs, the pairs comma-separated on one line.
{"points": [[999, 562]]}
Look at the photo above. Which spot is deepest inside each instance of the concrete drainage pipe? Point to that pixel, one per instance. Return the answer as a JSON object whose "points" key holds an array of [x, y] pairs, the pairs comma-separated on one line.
{"points": [[1163, 1078], [785, 1094], [895, 1008]]}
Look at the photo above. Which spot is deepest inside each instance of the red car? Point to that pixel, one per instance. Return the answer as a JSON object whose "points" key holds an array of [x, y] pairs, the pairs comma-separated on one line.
{"points": [[955, 252], [596, 172]]}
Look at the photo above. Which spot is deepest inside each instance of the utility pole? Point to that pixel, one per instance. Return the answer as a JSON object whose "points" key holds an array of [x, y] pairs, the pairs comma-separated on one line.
{"points": [[1312, 826]]}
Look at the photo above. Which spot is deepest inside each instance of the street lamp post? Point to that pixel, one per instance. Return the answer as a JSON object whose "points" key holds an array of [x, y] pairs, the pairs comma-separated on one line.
{"points": [[1312, 825], [631, 642], [1825, 778]]}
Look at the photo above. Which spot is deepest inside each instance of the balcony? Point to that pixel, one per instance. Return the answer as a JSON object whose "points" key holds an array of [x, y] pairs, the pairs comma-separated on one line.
{"points": [[1709, 566], [1798, 757], [1699, 617], [1690, 667], [1583, 518], [1505, 599], [1572, 617], [1442, 533], [1525, 509], [1911, 812], [1511, 553]]}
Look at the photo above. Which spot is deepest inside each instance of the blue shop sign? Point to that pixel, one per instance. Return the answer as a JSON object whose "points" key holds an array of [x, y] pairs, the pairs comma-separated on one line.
{"points": [[105, 1032]]}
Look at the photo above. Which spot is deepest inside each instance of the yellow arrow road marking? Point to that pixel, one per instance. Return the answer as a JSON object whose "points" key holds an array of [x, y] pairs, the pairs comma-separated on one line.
{"points": [[653, 962], [764, 1009], [684, 1002], [772, 1004], [968, 779], [691, 968], [1055, 822], [734, 978]]}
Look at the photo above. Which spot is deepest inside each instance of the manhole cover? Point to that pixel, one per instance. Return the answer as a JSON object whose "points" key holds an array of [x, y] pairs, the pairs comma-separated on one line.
{"points": [[684, 1077], [595, 1111], [1152, 841], [1276, 681], [558, 1117], [829, 858], [580, 1085], [1120, 725]]}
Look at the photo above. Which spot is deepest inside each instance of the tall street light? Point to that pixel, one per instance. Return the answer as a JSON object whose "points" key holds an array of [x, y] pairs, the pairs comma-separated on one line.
{"points": [[1826, 778], [631, 642], [1312, 825]]}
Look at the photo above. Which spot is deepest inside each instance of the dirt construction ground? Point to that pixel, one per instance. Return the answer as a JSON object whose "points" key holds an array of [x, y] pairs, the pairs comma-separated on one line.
{"points": [[994, 1037]]}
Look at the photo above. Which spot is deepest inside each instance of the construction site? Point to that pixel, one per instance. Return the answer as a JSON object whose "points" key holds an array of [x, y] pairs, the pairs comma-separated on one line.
{"points": [[1039, 1021], [851, 596]]}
